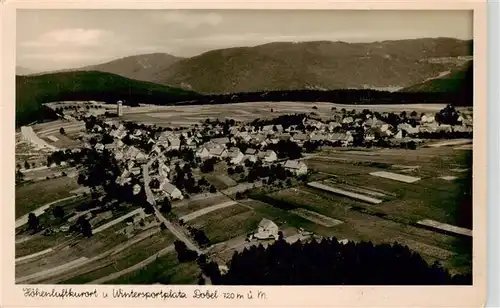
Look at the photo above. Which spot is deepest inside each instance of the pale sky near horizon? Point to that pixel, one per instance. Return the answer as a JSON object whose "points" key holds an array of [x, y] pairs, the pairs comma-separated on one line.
{"points": [[58, 39]]}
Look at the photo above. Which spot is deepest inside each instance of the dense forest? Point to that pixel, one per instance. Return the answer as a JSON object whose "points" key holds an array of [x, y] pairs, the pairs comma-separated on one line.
{"points": [[327, 262]]}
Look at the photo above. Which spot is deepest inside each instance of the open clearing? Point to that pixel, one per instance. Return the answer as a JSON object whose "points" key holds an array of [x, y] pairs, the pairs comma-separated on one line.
{"points": [[344, 193], [188, 206], [445, 227], [190, 115], [395, 176], [317, 218], [31, 196], [207, 210]]}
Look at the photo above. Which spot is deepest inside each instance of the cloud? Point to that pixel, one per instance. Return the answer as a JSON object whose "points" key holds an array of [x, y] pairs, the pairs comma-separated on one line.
{"points": [[78, 37], [189, 20], [61, 56]]}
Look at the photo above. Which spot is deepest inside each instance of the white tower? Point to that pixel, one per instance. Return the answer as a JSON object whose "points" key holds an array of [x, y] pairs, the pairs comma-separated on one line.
{"points": [[119, 110]]}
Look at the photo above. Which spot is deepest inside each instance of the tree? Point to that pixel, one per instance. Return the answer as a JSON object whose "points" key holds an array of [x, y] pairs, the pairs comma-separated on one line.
{"points": [[33, 222], [62, 131], [58, 212], [413, 114], [448, 115], [183, 253], [85, 226], [166, 206], [19, 176], [26, 164], [213, 190]]}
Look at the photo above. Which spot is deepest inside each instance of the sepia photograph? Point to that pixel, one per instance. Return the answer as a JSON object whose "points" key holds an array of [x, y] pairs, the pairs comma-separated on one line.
{"points": [[244, 147]]}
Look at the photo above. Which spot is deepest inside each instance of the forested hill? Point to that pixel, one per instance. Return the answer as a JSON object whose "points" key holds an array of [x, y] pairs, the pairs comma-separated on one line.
{"points": [[33, 91]]}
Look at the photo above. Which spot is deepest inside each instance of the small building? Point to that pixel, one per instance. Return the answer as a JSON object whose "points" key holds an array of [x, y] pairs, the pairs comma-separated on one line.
{"points": [[399, 135], [202, 153], [300, 138], [251, 155], [347, 120], [268, 156], [295, 166], [371, 134], [333, 125], [171, 191], [221, 141], [410, 130], [219, 152], [267, 230], [136, 189], [235, 155], [99, 147], [427, 118], [174, 143]]}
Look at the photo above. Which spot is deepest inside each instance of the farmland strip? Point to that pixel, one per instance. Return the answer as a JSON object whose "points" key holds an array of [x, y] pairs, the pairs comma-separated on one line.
{"points": [[344, 193]]}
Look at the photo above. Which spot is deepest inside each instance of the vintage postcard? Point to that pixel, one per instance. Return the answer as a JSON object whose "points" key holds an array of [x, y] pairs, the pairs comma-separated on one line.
{"points": [[244, 154]]}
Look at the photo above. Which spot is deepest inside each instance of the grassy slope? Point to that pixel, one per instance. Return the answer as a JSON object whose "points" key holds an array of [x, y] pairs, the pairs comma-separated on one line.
{"points": [[33, 91]]}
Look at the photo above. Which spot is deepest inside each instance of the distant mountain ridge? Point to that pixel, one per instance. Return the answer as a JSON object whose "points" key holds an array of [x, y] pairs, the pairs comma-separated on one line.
{"points": [[138, 67], [322, 65], [315, 65]]}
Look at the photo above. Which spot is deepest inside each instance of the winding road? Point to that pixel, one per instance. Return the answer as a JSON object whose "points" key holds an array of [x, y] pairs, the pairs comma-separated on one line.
{"points": [[178, 233]]}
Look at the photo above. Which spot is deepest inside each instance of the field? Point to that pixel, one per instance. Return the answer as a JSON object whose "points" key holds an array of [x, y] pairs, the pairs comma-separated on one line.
{"points": [[402, 206], [30, 196], [165, 270], [190, 115], [443, 172]]}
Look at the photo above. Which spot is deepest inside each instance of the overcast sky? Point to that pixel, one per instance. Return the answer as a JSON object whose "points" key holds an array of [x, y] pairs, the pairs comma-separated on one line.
{"points": [[57, 39]]}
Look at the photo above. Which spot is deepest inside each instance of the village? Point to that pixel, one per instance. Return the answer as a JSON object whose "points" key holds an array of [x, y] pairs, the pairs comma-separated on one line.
{"points": [[141, 178]]}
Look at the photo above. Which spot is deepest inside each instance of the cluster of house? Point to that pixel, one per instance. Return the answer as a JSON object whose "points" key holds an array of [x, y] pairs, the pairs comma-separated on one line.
{"points": [[341, 130]]}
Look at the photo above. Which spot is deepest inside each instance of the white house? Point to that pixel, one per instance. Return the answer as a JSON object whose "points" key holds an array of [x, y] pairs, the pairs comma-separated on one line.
{"points": [[333, 125], [385, 127], [118, 155], [408, 128], [300, 138], [236, 156], [399, 135], [163, 169], [296, 167], [99, 147], [344, 138], [347, 120], [427, 118], [174, 143], [219, 152], [203, 153], [370, 134], [444, 128], [221, 141], [136, 189], [171, 191], [268, 156], [267, 230], [251, 154]]}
